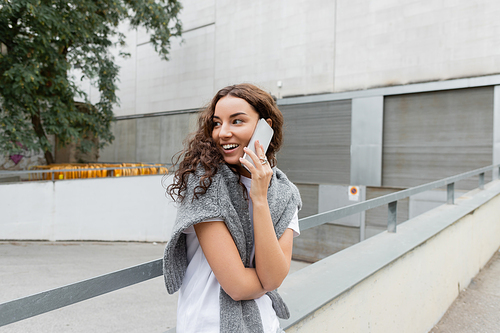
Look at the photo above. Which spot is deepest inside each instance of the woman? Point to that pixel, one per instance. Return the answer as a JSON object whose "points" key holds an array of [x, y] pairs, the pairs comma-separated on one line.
{"points": [[231, 245]]}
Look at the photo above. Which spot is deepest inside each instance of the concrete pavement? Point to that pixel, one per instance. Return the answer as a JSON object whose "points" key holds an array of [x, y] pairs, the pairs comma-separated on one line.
{"points": [[31, 267], [477, 308], [27, 268]]}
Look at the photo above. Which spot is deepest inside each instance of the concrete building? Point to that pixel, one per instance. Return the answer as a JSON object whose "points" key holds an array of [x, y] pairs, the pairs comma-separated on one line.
{"points": [[381, 94]]}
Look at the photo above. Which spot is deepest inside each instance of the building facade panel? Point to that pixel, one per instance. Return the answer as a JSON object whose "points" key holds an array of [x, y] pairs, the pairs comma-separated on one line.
{"points": [[310, 47], [195, 14], [317, 140], [264, 42], [148, 139], [182, 83], [123, 148], [174, 130], [429, 136], [399, 42], [127, 83]]}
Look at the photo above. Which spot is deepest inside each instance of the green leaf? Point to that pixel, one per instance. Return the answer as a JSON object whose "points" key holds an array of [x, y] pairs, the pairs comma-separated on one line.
{"points": [[44, 41]]}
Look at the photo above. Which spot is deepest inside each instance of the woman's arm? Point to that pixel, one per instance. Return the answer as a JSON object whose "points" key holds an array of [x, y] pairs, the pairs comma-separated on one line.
{"points": [[272, 256], [239, 282]]}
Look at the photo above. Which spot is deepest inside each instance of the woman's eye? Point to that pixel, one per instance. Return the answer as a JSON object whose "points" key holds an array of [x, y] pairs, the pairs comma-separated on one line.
{"points": [[238, 121], [216, 123]]}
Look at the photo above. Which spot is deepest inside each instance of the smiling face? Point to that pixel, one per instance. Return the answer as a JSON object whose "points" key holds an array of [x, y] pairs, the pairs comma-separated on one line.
{"points": [[234, 123]]}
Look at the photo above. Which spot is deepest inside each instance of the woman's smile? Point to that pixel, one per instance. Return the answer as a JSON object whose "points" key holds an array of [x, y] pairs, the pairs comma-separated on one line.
{"points": [[230, 146], [234, 123]]}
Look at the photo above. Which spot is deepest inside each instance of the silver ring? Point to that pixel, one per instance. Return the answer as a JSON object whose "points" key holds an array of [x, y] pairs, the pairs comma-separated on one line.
{"points": [[263, 160]]}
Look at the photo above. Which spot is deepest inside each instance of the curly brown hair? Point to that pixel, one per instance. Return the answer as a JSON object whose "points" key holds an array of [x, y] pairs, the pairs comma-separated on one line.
{"points": [[201, 150]]}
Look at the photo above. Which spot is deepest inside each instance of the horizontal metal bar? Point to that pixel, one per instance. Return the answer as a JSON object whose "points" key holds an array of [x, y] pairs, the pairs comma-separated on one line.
{"points": [[332, 215], [30, 306]]}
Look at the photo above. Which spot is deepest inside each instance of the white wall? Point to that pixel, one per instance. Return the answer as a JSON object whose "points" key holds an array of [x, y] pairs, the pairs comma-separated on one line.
{"points": [[391, 42], [227, 42], [108, 209], [311, 46], [268, 41], [398, 282]]}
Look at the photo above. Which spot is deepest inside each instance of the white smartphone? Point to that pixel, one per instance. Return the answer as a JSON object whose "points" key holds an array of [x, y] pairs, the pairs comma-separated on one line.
{"points": [[264, 133]]}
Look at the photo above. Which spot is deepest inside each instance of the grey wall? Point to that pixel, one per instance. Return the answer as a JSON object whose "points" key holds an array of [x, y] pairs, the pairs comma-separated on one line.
{"points": [[433, 135], [149, 139], [123, 148], [317, 142], [496, 129], [366, 140], [309, 194]]}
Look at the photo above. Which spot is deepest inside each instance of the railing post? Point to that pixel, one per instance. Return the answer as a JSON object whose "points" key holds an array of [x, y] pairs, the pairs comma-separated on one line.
{"points": [[392, 216], [481, 181], [451, 194], [52, 175]]}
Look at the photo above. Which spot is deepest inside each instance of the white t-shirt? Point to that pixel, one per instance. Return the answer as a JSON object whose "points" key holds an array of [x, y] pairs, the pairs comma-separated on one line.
{"points": [[198, 308]]}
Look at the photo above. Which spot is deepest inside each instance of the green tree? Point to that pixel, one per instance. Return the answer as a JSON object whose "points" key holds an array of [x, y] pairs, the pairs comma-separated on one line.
{"points": [[42, 40]]}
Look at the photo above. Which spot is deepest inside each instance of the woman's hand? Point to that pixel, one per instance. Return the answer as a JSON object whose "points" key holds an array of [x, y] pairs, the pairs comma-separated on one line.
{"points": [[261, 173], [272, 256]]}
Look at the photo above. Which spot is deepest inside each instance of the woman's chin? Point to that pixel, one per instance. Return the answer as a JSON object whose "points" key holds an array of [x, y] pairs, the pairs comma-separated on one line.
{"points": [[240, 169], [233, 161]]}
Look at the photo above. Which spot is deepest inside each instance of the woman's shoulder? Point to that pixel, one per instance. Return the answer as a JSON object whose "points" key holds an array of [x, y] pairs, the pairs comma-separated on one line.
{"points": [[285, 185], [282, 179], [214, 184], [223, 174]]}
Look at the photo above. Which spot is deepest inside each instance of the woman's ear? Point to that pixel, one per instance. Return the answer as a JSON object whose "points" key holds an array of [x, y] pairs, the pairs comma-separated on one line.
{"points": [[270, 122]]}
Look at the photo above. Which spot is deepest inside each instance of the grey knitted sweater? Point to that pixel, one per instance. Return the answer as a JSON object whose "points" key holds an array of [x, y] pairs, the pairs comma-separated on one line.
{"points": [[224, 199]]}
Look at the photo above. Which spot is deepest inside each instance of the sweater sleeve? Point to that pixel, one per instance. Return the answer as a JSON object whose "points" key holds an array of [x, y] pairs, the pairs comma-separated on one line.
{"points": [[191, 210], [284, 201]]}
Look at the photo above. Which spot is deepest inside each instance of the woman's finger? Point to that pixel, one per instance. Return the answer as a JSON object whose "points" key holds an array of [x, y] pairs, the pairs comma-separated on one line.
{"points": [[254, 156], [259, 149], [261, 154], [247, 163]]}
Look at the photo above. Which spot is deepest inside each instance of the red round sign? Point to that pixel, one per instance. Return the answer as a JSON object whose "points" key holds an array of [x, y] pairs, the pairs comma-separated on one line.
{"points": [[353, 190]]}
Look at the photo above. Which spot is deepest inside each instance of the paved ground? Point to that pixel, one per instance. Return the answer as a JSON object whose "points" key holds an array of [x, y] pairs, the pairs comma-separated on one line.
{"points": [[31, 267], [477, 309]]}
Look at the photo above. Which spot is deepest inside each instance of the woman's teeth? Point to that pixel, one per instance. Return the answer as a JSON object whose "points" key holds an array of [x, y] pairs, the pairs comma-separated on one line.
{"points": [[230, 146]]}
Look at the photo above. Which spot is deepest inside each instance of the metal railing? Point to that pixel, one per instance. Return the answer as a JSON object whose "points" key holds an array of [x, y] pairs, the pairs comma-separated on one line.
{"points": [[43, 302], [391, 200]]}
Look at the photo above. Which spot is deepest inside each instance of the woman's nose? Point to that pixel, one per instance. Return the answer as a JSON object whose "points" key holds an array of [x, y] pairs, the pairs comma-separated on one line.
{"points": [[225, 131]]}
